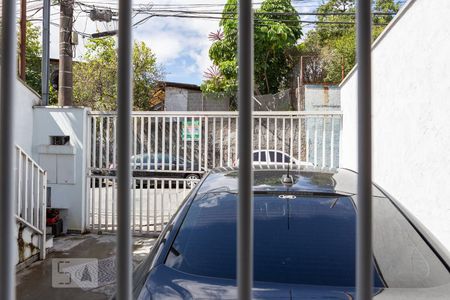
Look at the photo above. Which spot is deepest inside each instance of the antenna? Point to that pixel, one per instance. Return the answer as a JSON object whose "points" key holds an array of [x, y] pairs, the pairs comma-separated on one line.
{"points": [[288, 167], [287, 179]]}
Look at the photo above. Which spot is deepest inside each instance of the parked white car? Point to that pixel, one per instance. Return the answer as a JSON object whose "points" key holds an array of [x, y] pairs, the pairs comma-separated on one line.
{"points": [[274, 157]]}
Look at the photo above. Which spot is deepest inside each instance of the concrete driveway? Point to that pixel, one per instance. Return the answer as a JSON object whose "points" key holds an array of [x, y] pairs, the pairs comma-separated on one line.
{"points": [[35, 282]]}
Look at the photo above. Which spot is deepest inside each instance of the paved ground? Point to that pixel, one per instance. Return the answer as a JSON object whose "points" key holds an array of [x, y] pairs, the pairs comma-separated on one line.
{"points": [[35, 282]]}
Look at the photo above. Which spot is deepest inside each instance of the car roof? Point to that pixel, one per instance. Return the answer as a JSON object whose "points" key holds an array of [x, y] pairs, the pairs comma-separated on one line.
{"points": [[306, 179]]}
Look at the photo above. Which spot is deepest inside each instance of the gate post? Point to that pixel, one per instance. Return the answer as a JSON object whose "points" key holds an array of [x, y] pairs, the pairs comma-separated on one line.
{"points": [[60, 147]]}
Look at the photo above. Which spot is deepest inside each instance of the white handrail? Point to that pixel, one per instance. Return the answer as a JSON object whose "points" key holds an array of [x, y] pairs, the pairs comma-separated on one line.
{"points": [[30, 159], [31, 195], [219, 113], [29, 225]]}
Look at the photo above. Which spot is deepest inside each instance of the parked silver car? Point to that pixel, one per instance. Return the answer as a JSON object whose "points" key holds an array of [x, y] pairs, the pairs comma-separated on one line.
{"points": [[274, 158]]}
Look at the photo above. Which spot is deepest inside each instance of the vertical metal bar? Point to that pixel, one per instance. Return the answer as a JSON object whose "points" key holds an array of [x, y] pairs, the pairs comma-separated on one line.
{"points": [[100, 199], [163, 143], [192, 145], [31, 219], [178, 144], [206, 143], [200, 119], [38, 201], [124, 99], [163, 182], [19, 184], [100, 153], [7, 99], [291, 141], [229, 143], [115, 142], [332, 143], [92, 187], [323, 140], [141, 185], [25, 193], [149, 135], [283, 139], [364, 223], [214, 143], [245, 198], [134, 181], [307, 119], [94, 143], [148, 205], [43, 215], [259, 136], [88, 169], [155, 166], [113, 204], [170, 143], [134, 142], [299, 144], [170, 200], [185, 145], [315, 141], [141, 142], [275, 135], [45, 65], [267, 135], [236, 151], [106, 203], [221, 142], [108, 125], [154, 204]]}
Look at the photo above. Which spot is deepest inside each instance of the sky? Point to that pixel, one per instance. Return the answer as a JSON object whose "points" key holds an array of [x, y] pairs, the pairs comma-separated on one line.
{"points": [[180, 45]]}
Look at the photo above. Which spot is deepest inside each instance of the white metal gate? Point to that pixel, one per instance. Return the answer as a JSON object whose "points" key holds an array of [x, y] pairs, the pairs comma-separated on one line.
{"points": [[172, 150]]}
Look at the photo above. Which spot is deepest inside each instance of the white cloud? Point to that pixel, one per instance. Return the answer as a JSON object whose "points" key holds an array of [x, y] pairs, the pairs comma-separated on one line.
{"points": [[172, 39]]}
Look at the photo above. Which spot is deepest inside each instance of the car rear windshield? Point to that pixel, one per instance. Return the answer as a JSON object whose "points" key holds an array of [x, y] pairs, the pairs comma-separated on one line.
{"points": [[297, 239]]}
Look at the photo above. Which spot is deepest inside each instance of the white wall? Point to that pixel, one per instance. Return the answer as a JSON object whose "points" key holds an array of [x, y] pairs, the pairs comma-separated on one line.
{"points": [[411, 113], [322, 97], [23, 115], [176, 99], [71, 160], [26, 98]]}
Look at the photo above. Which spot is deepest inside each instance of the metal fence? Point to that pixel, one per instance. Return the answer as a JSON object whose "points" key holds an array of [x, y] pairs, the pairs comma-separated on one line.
{"points": [[31, 196], [195, 142], [153, 202], [171, 151]]}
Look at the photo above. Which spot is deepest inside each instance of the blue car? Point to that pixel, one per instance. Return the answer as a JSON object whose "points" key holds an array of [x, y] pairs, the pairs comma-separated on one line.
{"points": [[304, 242]]}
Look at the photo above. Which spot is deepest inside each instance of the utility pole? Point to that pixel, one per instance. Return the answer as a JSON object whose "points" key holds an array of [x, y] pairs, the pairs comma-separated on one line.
{"points": [[45, 51], [65, 86], [23, 38]]}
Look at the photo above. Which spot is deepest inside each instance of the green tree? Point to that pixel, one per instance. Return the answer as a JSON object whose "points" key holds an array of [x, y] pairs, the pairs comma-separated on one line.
{"points": [[95, 78], [335, 44], [276, 32], [33, 57]]}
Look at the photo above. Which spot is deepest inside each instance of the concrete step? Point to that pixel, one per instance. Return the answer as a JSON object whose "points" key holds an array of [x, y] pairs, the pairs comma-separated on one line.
{"points": [[48, 240]]}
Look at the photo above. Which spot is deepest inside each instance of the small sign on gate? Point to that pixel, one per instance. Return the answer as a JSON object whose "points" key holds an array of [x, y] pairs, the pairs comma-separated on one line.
{"points": [[191, 131]]}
